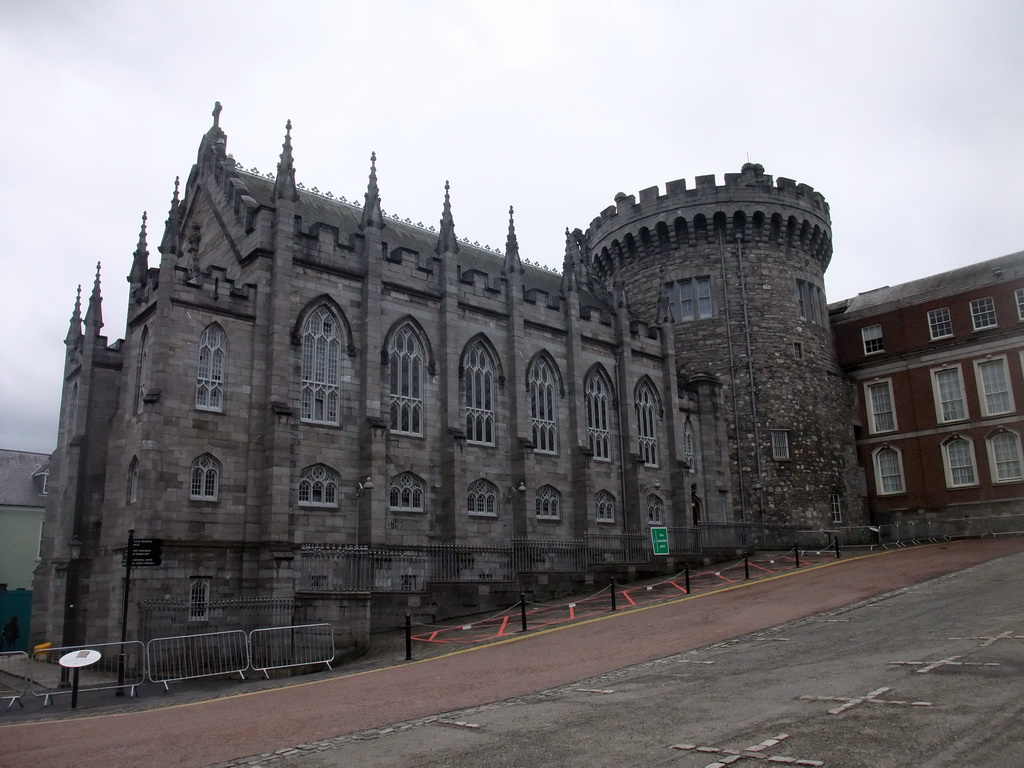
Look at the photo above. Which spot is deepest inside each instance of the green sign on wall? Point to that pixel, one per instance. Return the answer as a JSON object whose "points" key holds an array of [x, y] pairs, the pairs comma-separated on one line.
{"points": [[659, 540]]}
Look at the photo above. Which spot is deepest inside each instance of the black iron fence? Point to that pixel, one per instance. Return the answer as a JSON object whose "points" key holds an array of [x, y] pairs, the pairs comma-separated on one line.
{"points": [[354, 568]]}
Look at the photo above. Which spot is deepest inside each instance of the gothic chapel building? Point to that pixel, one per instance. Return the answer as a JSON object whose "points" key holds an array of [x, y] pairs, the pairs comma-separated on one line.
{"points": [[300, 370]]}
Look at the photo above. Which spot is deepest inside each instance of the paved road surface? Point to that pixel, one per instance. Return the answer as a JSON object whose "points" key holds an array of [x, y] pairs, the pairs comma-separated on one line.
{"points": [[750, 692]]}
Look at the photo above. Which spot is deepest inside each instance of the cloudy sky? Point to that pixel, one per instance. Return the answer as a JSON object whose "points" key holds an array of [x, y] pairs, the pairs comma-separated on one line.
{"points": [[907, 116]]}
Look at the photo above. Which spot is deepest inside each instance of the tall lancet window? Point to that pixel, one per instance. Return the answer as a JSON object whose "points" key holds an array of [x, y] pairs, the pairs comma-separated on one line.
{"points": [[210, 374], [542, 408], [647, 424], [597, 398], [321, 350], [406, 361], [478, 377], [689, 446], [142, 370]]}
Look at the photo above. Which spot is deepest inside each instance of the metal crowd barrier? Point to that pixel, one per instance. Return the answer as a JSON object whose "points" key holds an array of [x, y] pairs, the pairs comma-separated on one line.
{"points": [[296, 646], [189, 656], [14, 676], [49, 679]]}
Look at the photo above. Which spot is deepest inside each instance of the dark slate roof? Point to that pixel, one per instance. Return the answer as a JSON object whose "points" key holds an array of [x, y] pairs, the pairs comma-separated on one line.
{"points": [[916, 291], [18, 486], [346, 216]]}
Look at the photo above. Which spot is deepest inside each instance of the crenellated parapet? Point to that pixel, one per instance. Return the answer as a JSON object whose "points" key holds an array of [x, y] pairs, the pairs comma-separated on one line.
{"points": [[750, 205]]}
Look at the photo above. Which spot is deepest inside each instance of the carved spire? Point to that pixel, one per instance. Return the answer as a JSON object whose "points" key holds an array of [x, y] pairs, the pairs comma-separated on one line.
{"points": [[94, 313], [569, 281], [167, 243], [284, 185], [75, 327], [373, 216], [512, 261], [140, 260], [446, 239]]}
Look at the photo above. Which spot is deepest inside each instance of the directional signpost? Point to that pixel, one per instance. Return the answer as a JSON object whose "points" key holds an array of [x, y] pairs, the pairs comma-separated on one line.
{"points": [[138, 552], [144, 552], [659, 540]]}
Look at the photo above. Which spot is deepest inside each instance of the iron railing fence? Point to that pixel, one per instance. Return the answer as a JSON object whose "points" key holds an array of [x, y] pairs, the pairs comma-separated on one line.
{"points": [[351, 568], [617, 548], [469, 564], [170, 618]]}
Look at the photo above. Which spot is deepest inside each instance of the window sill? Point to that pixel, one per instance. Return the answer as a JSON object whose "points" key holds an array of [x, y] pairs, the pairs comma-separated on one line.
{"points": [[484, 515]]}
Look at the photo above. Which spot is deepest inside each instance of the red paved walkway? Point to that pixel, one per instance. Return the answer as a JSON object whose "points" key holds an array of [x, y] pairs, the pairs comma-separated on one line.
{"points": [[208, 732]]}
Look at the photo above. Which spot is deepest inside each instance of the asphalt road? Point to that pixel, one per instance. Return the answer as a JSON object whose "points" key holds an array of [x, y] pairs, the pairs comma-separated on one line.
{"points": [[802, 666]]}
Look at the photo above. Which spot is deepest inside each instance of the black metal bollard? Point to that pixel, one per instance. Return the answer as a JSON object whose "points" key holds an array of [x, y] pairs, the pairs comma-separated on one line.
{"points": [[522, 608], [613, 593], [837, 545], [746, 567], [408, 637], [796, 551], [686, 576]]}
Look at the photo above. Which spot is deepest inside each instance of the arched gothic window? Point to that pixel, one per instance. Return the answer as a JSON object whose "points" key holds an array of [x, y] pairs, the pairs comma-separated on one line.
{"points": [[479, 383], [318, 487], [605, 507], [321, 350], [210, 374], [655, 510], [406, 493], [597, 397], [549, 502], [205, 480], [132, 489], [542, 407], [647, 424], [199, 600], [482, 499], [406, 363], [205, 483]]}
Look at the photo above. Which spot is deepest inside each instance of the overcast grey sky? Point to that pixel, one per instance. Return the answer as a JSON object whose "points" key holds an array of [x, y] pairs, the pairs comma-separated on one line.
{"points": [[907, 116]]}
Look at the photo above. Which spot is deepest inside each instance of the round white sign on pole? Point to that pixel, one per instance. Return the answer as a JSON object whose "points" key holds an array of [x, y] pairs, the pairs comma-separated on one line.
{"points": [[80, 658]]}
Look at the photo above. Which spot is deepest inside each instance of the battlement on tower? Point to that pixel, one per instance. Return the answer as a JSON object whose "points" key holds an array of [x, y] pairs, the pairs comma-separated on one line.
{"points": [[749, 190]]}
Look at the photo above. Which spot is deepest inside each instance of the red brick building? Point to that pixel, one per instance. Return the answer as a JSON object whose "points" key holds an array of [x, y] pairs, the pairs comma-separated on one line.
{"points": [[939, 369]]}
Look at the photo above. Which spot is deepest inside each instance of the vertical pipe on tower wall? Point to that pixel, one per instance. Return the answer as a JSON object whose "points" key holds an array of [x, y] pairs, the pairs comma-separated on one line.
{"points": [[751, 379]]}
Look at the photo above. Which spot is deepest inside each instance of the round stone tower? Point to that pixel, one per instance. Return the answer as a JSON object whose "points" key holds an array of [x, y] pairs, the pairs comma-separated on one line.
{"points": [[739, 270]]}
